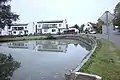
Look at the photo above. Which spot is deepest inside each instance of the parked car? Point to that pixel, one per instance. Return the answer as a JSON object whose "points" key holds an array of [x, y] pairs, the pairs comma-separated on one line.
{"points": [[93, 32], [116, 27]]}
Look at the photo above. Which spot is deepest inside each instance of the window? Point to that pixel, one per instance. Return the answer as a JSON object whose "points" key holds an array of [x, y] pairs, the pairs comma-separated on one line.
{"points": [[60, 25], [14, 28], [20, 28], [25, 44], [45, 26], [45, 30], [53, 30], [39, 25], [54, 25], [20, 32], [59, 47], [14, 32]]}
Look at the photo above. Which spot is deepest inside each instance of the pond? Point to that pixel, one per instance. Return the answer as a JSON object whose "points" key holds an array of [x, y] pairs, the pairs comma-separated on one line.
{"points": [[43, 59]]}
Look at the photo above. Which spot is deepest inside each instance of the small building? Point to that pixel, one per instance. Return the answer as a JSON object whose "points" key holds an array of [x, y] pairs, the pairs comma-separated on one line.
{"points": [[51, 27], [18, 29], [90, 27]]}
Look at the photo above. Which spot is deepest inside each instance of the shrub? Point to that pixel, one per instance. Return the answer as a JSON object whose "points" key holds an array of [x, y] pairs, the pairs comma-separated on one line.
{"points": [[49, 36]]}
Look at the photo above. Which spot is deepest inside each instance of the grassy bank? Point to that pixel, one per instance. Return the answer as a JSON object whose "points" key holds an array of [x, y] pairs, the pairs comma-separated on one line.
{"points": [[6, 39], [98, 63]]}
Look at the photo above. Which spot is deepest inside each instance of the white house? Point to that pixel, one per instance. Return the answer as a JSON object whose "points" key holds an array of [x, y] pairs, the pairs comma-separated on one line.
{"points": [[18, 29], [89, 27], [51, 27]]}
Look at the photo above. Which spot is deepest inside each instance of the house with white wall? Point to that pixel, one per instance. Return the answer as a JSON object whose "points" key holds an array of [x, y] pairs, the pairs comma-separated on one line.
{"points": [[88, 27], [51, 27], [18, 29]]}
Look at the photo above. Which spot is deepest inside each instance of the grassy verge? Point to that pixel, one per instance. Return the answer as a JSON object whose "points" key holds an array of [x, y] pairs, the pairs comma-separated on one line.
{"points": [[5, 39], [98, 63]]}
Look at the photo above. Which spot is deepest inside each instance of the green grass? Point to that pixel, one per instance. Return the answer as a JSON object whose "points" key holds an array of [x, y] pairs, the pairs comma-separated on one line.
{"points": [[98, 63], [5, 39]]}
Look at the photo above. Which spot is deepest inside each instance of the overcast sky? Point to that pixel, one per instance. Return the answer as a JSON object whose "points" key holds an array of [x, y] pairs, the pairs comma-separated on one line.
{"points": [[75, 11]]}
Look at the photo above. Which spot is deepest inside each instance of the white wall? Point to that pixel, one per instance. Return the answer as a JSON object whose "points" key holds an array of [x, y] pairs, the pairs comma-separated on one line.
{"points": [[18, 32], [86, 26], [31, 28], [45, 32]]}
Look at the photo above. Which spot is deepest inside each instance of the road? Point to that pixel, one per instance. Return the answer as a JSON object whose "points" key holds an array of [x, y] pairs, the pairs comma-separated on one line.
{"points": [[114, 36]]}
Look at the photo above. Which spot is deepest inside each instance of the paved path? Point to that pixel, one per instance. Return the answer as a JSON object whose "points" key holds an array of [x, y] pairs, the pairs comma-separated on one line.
{"points": [[114, 36]]}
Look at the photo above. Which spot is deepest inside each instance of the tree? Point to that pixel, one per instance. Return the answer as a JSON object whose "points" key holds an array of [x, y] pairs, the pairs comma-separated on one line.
{"points": [[7, 66], [116, 21], [81, 28], [6, 16], [75, 26], [99, 26]]}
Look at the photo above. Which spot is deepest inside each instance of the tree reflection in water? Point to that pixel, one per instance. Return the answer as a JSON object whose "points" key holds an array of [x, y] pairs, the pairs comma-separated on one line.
{"points": [[7, 66]]}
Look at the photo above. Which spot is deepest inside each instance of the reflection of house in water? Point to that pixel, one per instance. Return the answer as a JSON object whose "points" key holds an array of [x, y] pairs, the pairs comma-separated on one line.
{"points": [[54, 46], [40, 45], [18, 44]]}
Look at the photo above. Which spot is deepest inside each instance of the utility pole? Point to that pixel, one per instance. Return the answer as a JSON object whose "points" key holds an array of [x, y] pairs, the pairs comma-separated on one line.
{"points": [[108, 35]]}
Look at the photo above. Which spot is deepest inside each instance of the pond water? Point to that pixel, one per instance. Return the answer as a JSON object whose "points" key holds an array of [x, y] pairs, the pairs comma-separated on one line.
{"points": [[42, 59]]}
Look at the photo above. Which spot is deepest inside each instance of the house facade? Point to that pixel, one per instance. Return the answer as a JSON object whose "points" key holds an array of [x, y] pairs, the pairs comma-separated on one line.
{"points": [[51, 27], [89, 27], [18, 29]]}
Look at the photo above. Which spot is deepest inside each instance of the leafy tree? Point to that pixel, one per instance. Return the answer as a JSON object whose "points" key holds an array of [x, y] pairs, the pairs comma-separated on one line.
{"points": [[99, 26], [6, 16], [81, 28], [7, 66], [116, 21], [75, 26]]}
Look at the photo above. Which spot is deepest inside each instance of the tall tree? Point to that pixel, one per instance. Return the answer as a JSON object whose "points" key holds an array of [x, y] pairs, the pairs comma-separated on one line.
{"points": [[8, 65], [116, 21], [6, 16], [75, 26], [99, 26], [81, 28]]}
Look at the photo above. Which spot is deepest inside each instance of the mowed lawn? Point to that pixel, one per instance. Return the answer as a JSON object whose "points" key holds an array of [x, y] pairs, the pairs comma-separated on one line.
{"points": [[103, 64], [4, 39]]}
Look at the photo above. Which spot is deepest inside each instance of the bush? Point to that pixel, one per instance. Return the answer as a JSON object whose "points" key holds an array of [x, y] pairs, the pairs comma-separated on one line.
{"points": [[49, 36]]}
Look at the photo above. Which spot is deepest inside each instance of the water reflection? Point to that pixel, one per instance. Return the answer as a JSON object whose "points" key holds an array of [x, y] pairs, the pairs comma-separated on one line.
{"points": [[39, 60], [46, 45], [7, 66]]}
